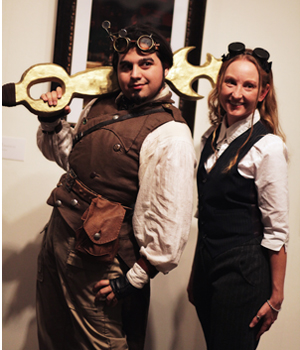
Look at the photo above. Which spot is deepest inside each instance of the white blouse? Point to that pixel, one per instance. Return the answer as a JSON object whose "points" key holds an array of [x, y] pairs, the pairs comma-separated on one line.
{"points": [[266, 163]]}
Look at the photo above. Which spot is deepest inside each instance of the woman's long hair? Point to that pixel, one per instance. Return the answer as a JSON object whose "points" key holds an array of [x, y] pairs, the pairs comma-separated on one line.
{"points": [[267, 108]]}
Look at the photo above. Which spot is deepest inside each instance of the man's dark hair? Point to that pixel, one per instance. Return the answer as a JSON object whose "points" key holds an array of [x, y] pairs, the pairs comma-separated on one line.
{"points": [[164, 51]]}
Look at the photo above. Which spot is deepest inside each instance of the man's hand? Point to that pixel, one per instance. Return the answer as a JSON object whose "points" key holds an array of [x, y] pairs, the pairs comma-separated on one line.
{"points": [[113, 290], [52, 97], [103, 290]]}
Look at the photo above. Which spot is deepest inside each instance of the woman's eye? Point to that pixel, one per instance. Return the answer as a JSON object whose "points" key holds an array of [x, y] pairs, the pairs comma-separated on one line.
{"points": [[230, 82]]}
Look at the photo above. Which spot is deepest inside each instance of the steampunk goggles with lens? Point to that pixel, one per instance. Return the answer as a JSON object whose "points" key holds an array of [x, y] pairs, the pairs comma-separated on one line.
{"points": [[261, 55], [120, 43]]}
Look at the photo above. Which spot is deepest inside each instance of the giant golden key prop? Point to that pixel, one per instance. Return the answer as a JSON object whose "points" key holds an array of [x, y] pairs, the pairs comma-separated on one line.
{"points": [[99, 81]]}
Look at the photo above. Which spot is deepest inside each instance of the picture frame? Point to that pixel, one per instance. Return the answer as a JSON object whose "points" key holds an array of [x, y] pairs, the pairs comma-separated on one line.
{"points": [[64, 42]]}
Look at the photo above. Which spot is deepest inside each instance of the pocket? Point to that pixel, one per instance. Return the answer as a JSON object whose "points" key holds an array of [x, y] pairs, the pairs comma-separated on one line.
{"points": [[99, 233], [251, 263]]}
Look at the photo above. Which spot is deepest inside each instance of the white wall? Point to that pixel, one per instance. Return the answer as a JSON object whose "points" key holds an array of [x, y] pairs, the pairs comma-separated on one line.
{"points": [[28, 36]]}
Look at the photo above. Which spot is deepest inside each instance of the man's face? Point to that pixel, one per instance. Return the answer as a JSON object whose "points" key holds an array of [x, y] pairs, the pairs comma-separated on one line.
{"points": [[140, 75]]}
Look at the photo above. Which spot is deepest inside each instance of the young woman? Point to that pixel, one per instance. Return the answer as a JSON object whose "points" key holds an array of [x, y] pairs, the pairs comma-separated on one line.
{"points": [[238, 272]]}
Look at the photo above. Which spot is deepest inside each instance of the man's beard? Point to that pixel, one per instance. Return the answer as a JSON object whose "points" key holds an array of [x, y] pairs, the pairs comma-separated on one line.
{"points": [[137, 99]]}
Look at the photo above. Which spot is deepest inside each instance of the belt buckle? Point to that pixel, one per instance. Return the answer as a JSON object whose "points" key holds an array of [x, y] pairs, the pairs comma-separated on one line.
{"points": [[71, 177]]}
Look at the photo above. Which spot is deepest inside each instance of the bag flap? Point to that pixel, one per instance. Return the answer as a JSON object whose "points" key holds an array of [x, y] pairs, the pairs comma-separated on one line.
{"points": [[103, 220]]}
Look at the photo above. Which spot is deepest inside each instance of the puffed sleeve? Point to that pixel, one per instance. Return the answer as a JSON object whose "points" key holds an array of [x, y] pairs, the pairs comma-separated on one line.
{"points": [[55, 146], [56, 143], [164, 207]]}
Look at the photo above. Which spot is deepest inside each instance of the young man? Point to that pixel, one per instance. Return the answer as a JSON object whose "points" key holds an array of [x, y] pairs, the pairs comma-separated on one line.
{"points": [[122, 212]]}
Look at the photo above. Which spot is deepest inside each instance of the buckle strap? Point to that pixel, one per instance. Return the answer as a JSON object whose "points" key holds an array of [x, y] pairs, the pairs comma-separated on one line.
{"points": [[72, 183], [98, 126]]}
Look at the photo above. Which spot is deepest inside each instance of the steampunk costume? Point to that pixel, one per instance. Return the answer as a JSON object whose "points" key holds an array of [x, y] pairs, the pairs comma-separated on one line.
{"points": [[110, 212]]}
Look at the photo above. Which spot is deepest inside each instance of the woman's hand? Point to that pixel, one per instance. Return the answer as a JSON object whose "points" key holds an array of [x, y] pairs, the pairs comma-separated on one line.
{"points": [[267, 314], [266, 317]]}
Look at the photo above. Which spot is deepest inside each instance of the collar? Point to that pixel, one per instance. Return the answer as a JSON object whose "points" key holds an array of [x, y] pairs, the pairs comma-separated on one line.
{"points": [[228, 134]]}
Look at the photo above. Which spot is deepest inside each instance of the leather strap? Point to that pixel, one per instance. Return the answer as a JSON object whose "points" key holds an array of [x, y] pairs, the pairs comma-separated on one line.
{"points": [[98, 126]]}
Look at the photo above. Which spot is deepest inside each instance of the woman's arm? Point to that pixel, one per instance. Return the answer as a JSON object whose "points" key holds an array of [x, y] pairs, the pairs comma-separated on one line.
{"points": [[267, 313]]}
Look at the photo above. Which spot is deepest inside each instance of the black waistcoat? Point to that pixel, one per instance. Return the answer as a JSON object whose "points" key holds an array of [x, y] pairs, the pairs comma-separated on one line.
{"points": [[228, 211]]}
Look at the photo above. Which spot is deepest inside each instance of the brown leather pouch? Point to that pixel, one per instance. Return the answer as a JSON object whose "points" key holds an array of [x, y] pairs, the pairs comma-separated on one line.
{"points": [[98, 236]]}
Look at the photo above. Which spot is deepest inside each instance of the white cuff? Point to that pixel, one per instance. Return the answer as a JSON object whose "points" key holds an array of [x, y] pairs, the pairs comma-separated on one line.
{"points": [[137, 276]]}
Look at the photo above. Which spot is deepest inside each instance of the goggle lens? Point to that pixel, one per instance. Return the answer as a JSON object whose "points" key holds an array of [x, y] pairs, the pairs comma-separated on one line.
{"points": [[261, 55], [120, 44], [145, 43]]}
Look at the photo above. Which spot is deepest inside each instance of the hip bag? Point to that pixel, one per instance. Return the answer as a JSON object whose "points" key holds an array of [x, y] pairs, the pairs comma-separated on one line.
{"points": [[98, 235]]}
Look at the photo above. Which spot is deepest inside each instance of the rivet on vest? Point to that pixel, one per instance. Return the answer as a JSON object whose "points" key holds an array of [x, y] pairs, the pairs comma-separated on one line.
{"points": [[58, 203], [74, 202], [115, 117], [117, 147], [97, 236]]}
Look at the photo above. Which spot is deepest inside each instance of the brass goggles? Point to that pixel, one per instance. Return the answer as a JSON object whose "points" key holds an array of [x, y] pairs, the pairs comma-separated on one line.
{"points": [[145, 42], [261, 55]]}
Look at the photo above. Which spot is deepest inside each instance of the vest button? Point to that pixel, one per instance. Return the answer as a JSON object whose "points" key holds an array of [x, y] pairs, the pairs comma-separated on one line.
{"points": [[74, 202], [115, 117], [97, 236], [58, 203], [117, 147]]}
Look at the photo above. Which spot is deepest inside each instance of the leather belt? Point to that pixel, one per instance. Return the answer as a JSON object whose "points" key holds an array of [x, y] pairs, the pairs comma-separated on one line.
{"points": [[72, 183]]}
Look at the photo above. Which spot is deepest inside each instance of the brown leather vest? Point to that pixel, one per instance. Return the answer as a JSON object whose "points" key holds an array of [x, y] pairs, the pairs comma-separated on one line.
{"points": [[107, 162]]}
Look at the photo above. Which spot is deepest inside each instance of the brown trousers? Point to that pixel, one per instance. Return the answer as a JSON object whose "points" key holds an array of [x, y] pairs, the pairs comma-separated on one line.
{"points": [[68, 316]]}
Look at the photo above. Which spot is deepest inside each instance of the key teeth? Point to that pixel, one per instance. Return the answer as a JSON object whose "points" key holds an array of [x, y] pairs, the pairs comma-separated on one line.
{"points": [[182, 69]]}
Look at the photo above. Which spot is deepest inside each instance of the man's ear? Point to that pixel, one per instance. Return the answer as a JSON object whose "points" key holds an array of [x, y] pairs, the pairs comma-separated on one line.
{"points": [[166, 69], [264, 93]]}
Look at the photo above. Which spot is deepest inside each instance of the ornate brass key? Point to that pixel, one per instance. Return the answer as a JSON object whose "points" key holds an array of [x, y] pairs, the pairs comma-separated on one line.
{"points": [[101, 80]]}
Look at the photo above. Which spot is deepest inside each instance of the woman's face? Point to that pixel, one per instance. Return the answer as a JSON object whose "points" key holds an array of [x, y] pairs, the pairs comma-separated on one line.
{"points": [[239, 90]]}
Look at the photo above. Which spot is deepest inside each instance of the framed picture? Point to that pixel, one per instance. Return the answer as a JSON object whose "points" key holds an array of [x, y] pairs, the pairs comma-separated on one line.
{"points": [[86, 16]]}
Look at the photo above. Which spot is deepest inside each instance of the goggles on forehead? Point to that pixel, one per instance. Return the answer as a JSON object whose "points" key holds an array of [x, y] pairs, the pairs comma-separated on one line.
{"points": [[261, 55], [120, 43]]}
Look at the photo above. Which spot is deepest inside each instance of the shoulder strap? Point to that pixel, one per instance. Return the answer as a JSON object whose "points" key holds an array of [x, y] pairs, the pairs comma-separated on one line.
{"points": [[98, 126]]}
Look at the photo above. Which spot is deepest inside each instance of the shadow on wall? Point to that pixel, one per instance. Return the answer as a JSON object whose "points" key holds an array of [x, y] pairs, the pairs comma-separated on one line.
{"points": [[186, 323], [20, 267], [185, 332]]}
